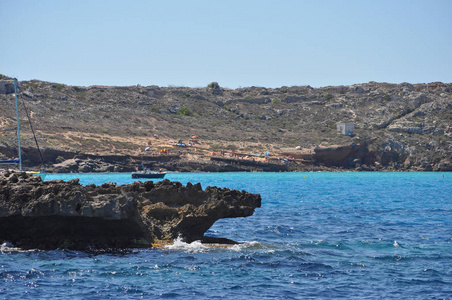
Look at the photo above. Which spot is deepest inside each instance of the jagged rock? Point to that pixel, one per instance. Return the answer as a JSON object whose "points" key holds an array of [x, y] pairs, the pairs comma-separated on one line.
{"points": [[428, 168], [87, 166], [445, 166], [105, 168], [67, 166], [6, 87], [27, 94], [215, 89], [173, 109], [417, 99], [150, 93], [56, 214], [342, 156], [407, 164], [356, 89]]}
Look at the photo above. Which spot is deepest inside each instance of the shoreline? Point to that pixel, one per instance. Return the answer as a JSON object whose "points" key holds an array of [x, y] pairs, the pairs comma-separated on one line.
{"points": [[185, 160], [300, 170]]}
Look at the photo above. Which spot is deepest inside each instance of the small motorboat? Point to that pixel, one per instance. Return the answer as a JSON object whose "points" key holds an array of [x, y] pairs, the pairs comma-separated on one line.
{"points": [[148, 175]]}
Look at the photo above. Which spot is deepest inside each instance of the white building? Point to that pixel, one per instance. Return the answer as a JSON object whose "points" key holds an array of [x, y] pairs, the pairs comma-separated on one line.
{"points": [[346, 128]]}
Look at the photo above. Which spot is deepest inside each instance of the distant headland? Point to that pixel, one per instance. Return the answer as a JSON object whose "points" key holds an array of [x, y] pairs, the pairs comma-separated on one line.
{"points": [[365, 127]]}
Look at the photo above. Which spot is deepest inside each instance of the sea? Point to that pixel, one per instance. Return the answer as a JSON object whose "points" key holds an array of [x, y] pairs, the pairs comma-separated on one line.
{"points": [[351, 235]]}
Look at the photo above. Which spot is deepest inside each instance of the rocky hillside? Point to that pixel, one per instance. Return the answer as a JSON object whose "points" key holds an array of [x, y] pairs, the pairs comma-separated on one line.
{"points": [[396, 126]]}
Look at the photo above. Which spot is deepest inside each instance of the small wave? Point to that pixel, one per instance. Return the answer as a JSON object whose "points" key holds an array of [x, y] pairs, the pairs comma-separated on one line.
{"points": [[197, 246], [179, 244], [7, 247], [33, 273], [251, 245]]}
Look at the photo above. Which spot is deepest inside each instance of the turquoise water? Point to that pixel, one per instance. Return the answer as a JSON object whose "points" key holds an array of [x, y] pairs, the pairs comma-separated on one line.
{"points": [[317, 235]]}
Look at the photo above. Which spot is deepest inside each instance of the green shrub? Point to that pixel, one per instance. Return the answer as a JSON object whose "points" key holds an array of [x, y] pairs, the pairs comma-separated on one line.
{"points": [[327, 96], [185, 111], [81, 93]]}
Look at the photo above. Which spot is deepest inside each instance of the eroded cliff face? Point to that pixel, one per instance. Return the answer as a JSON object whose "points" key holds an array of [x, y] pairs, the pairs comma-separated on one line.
{"points": [[57, 214]]}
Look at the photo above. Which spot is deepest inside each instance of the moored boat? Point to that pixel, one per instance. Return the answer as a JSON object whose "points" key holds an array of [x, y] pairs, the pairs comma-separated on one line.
{"points": [[18, 160], [148, 175]]}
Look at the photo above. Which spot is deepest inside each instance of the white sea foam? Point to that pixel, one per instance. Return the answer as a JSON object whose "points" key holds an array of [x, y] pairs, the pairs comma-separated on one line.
{"points": [[8, 247], [251, 245], [193, 247], [197, 246]]}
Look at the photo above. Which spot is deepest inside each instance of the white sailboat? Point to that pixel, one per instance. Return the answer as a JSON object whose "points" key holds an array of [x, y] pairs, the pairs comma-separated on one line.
{"points": [[17, 160]]}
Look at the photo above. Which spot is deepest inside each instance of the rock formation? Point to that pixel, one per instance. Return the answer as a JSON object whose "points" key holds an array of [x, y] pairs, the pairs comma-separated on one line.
{"points": [[36, 214], [6, 86]]}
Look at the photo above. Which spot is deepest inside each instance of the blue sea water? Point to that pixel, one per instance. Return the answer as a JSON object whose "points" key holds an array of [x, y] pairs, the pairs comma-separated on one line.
{"points": [[316, 236]]}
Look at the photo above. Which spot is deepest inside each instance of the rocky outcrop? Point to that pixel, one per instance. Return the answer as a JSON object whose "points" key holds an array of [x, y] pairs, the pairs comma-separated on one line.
{"points": [[57, 214], [6, 86], [248, 165], [88, 165], [354, 155]]}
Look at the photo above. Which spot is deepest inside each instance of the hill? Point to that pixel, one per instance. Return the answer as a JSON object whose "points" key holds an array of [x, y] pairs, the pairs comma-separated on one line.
{"points": [[396, 126]]}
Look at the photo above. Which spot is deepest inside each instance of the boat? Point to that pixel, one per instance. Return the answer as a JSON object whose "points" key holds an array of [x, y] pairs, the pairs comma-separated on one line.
{"points": [[19, 160], [148, 175]]}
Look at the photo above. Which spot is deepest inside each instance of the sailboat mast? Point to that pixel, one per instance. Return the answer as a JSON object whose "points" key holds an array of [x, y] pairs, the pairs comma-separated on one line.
{"points": [[18, 127]]}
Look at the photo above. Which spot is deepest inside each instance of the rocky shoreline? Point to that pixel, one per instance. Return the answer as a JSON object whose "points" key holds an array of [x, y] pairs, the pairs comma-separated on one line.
{"points": [[36, 214], [349, 158]]}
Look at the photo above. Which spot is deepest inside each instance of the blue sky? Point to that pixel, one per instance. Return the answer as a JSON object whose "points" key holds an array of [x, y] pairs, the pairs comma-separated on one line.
{"points": [[235, 43]]}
